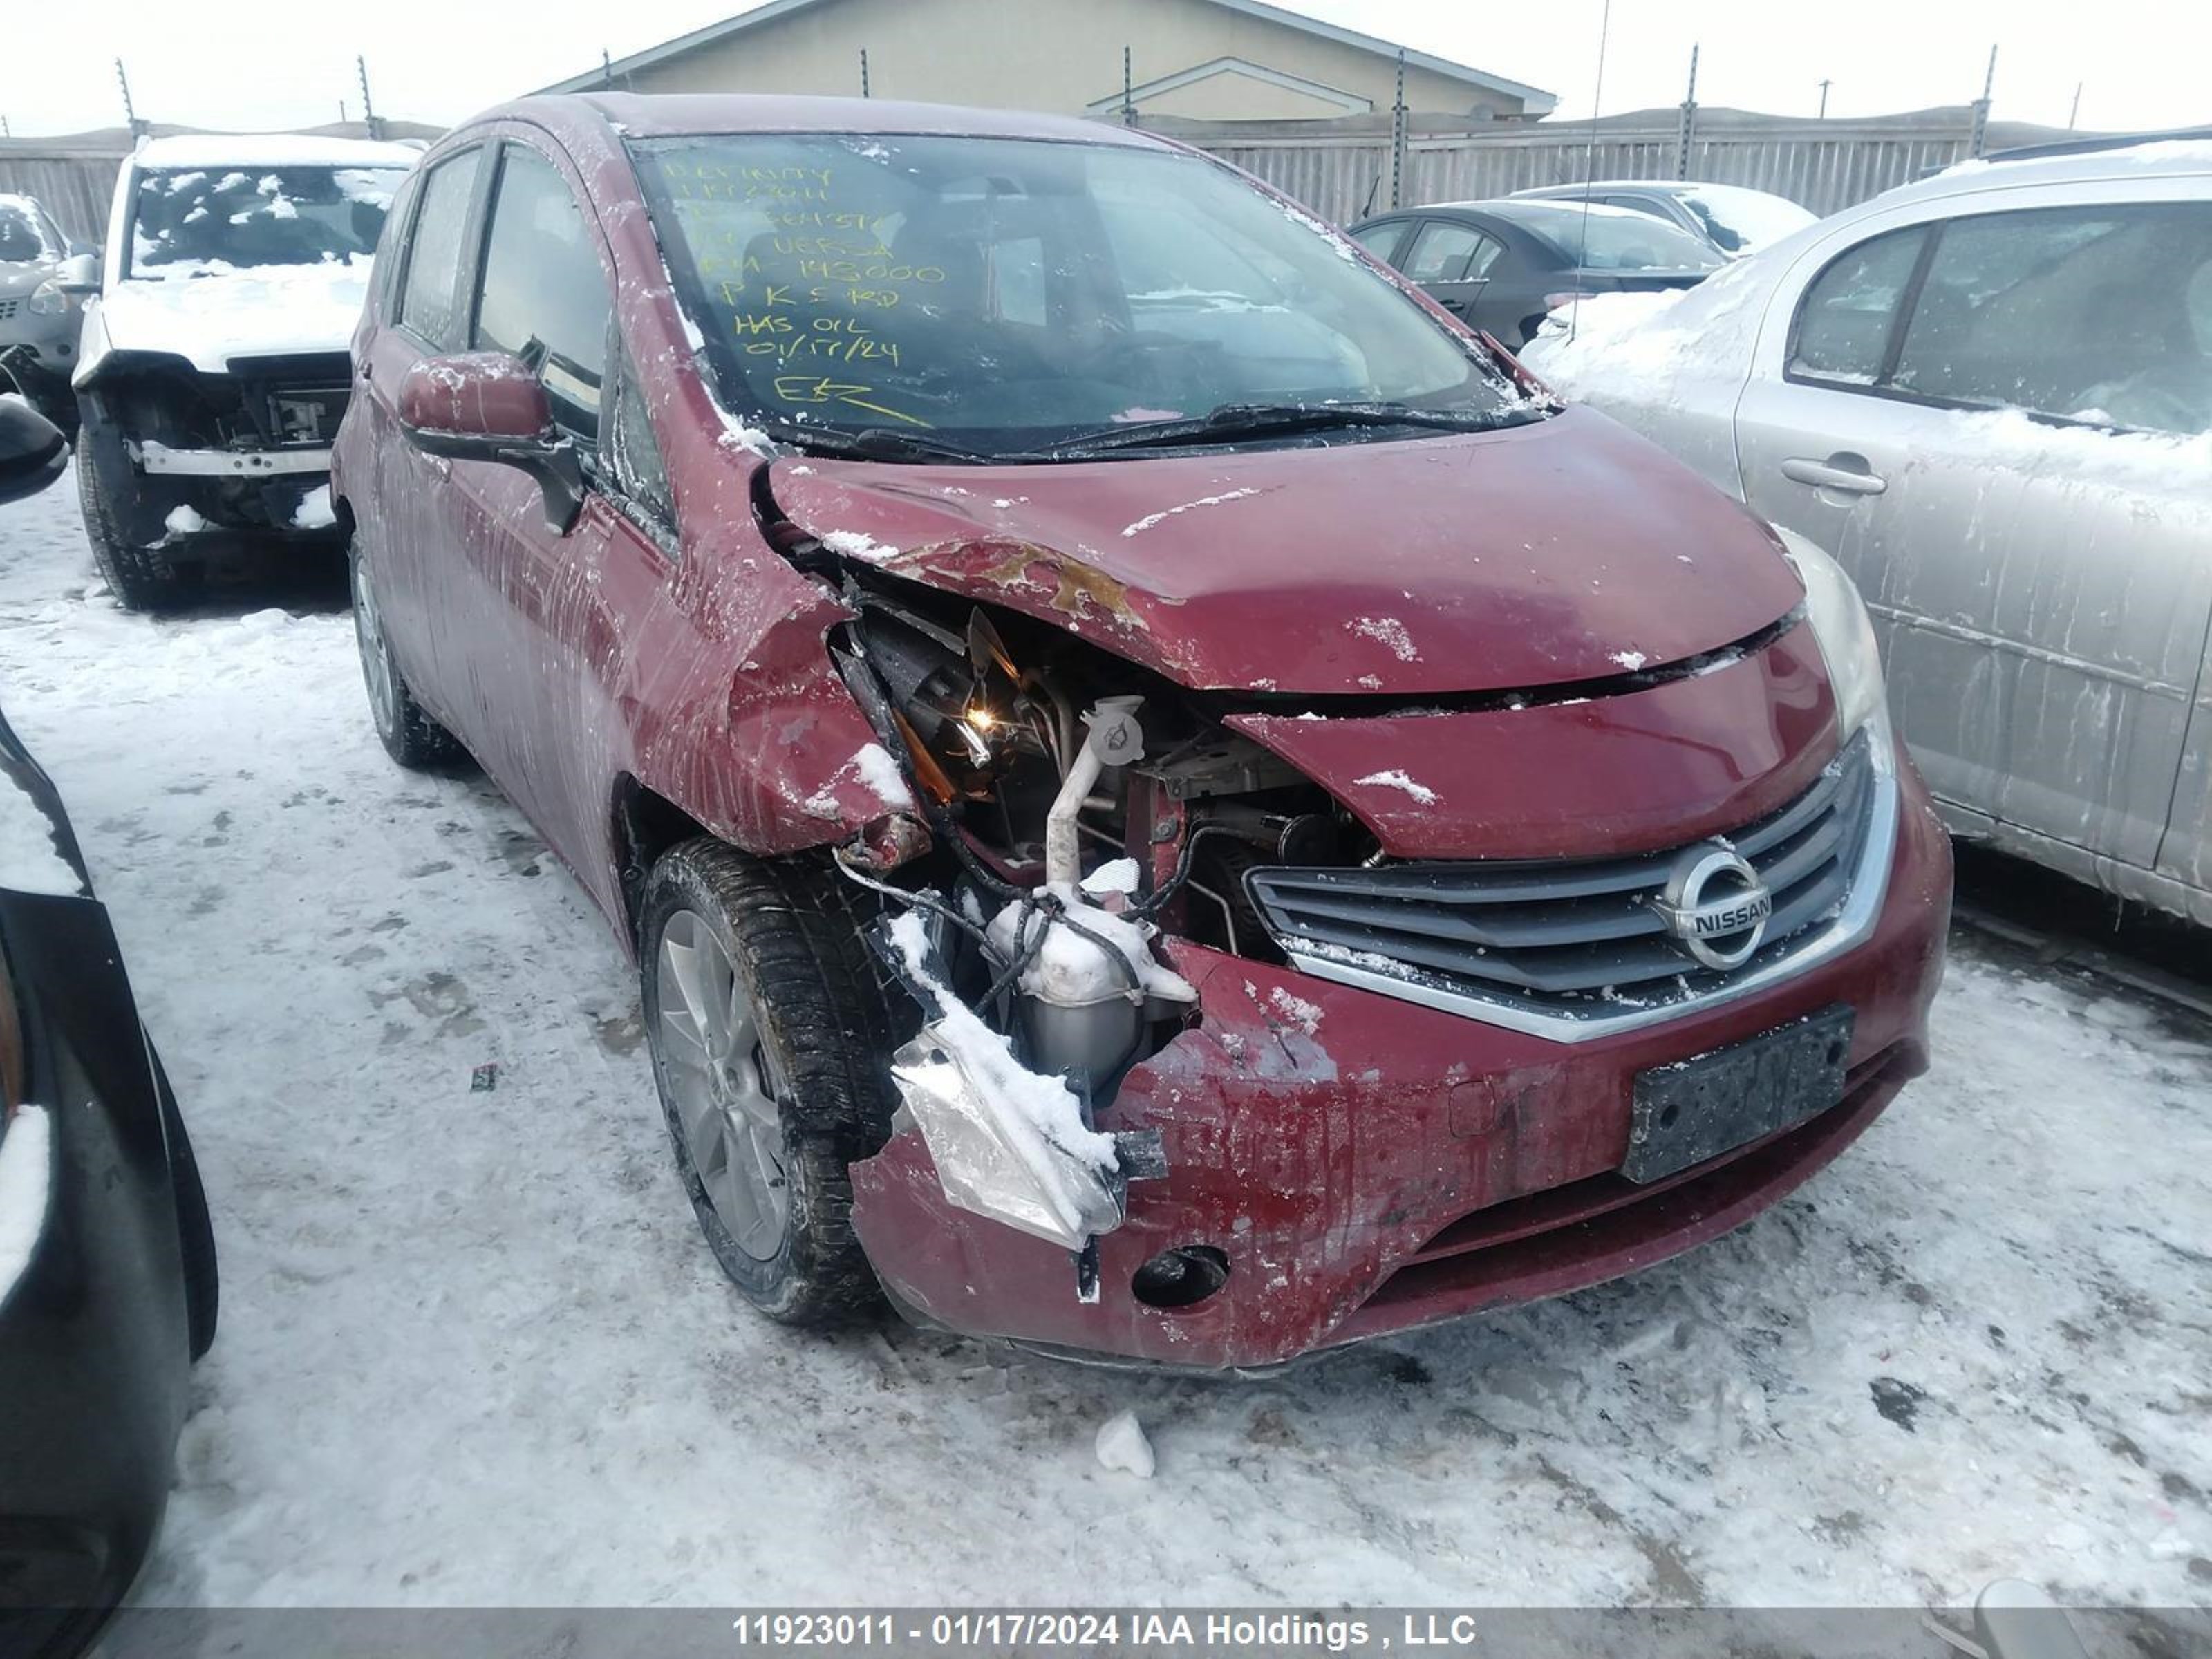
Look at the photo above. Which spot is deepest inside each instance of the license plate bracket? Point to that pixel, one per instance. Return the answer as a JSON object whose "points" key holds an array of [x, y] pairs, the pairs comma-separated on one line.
{"points": [[1713, 1102]]}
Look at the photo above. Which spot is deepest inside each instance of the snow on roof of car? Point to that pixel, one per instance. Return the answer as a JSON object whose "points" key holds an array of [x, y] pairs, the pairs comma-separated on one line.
{"points": [[2178, 155], [271, 149]]}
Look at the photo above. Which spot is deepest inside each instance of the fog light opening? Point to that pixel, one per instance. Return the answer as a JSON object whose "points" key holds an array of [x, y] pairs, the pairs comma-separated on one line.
{"points": [[1181, 1278]]}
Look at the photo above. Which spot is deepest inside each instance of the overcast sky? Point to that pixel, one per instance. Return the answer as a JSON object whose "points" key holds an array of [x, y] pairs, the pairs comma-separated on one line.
{"points": [[269, 64]]}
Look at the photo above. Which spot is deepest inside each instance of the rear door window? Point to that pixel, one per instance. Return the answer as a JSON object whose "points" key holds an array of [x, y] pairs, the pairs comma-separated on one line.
{"points": [[544, 294], [1441, 252], [428, 291]]}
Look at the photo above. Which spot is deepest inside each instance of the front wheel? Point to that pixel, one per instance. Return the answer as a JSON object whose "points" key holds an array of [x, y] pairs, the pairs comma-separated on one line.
{"points": [[771, 1033], [409, 734], [141, 577]]}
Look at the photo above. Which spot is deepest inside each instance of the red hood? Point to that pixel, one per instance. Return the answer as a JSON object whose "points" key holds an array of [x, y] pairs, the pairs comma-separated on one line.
{"points": [[1569, 550]]}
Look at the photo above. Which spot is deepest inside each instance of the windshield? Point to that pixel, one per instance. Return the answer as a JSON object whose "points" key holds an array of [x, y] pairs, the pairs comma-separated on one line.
{"points": [[1740, 220], [1008, 293], [194, 220], [1616, 238], [24, 239]]}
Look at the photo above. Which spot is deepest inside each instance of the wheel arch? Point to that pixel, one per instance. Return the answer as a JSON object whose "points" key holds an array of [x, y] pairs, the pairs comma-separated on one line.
{"points": [[645, 824]]}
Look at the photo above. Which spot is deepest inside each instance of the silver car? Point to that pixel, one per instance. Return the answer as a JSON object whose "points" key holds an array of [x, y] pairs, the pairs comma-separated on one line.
{"points": [[1989, 395], [1730, 219], [38, 322]]}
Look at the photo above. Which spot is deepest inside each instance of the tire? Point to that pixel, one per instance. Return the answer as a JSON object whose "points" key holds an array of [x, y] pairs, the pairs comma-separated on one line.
{"points": [[409, 734], [194, 1228], [142, 578], [806, 1084]]}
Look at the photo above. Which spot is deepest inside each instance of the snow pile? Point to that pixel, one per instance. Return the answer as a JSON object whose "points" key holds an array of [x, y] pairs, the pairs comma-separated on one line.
{"points": [[736, 435], [1641, 349], [30, 862], [1068, 970], [210, 312], [25, 1173], [1114, 876], [1389, 630], [873, 765], [314, 511], [1046, 1114], [2142, 465], [1631, 660], [1163, 516], [184, 519], [1398, 780], [1306, 1015], [853, 544], [1121, 1446]]}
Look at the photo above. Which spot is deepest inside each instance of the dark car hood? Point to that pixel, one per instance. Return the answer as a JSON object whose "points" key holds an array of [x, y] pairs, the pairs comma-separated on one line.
{"points": [[1568, 549]]}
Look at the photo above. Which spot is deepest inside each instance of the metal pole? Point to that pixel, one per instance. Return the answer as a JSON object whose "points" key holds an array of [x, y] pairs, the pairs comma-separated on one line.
{"points": [[1825, 85], [370, 119], [863, 72], [129, 114], [607, 70], [1398, 137], [1689, 121], [2075, 114], [1978, 139], [1128, 90]]}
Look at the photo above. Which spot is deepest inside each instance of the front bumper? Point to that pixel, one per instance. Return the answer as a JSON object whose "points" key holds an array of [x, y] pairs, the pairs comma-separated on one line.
{"points": [[1369, 1165]]}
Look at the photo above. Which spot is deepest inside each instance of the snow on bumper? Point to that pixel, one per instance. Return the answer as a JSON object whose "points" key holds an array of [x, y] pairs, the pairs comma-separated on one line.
{"points": [[1366, 1165]]}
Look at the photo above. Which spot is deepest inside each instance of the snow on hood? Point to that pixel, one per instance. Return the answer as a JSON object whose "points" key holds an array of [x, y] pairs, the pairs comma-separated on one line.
{"points": [[210, 312], [1469, 562], [1638, 346]]}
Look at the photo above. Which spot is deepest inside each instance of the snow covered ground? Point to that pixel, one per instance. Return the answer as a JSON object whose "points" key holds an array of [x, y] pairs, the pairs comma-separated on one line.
{"points": [[472, 1352]]}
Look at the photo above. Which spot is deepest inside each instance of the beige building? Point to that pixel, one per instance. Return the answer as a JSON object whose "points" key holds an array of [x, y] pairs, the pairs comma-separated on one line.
{"points": [[1213, 60]]}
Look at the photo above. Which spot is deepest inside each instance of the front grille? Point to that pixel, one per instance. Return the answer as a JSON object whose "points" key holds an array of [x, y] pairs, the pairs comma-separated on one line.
{"points": [[8, 309], [1571, 938]]}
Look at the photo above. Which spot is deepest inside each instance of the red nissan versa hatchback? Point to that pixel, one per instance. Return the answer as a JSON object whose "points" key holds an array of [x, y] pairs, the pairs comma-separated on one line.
{"points": [[1171, 804]]}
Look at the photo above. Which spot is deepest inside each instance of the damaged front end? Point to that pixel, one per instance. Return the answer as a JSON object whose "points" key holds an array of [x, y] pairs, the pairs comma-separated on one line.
{"points": [[181, 454], [1256, 1020]]}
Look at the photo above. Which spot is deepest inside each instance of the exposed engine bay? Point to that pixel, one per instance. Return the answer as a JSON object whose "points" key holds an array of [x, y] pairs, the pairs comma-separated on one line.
{"points": [[1073, 805]]}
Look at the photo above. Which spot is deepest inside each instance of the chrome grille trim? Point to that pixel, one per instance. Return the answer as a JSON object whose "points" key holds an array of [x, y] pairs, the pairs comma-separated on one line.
{"points": [[1785, 844]]}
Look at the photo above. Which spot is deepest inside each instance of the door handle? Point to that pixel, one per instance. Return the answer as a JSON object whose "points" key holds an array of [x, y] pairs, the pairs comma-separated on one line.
{"points": [[1838, 473]]}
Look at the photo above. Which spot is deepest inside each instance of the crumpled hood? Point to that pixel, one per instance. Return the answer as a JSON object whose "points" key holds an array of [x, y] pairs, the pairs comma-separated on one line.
{"points": [[259, 311], [1569, 550]]}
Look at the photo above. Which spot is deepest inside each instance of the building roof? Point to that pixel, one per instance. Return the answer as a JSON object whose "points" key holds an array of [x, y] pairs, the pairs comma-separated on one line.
{"points": [[1534, 99]]}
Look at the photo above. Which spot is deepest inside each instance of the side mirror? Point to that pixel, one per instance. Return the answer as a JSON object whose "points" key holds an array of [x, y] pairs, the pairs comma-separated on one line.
{"points": [[79, 274], [32, 451], [488, 406]]}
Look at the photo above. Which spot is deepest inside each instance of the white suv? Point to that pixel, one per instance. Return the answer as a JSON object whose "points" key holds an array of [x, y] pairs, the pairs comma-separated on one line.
{"points": [[213, 368]]}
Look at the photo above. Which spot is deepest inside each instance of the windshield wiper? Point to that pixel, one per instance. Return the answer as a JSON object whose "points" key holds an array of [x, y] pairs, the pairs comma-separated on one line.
{"points": [[874, 443], [1233, 421]]}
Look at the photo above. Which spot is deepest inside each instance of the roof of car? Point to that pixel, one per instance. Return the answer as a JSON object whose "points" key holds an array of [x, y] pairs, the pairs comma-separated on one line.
{"points": [[1536, 210], [2176, 156], [1658, 186], [678, 115], [271, 149]]}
